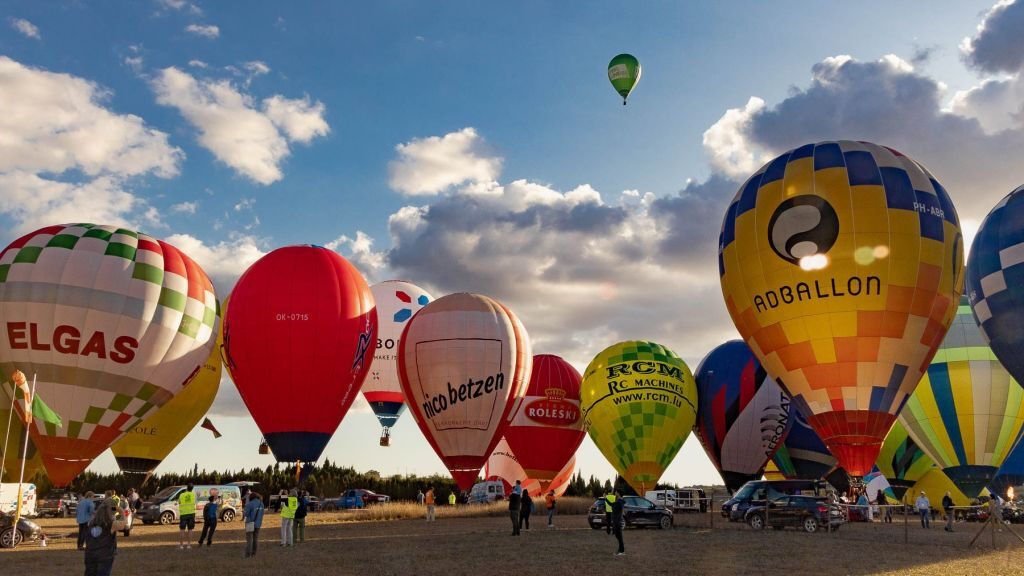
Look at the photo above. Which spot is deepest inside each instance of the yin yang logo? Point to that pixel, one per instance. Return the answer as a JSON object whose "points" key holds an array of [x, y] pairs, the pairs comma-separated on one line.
{"points": [[803, 226]]}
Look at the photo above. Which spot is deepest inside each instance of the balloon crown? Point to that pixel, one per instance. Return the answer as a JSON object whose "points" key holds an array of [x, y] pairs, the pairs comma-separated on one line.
{"points": [[554, 393]]}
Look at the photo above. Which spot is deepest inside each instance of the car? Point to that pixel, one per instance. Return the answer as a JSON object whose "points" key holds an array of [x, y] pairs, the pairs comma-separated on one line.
{"points": [[312, 503], [162, 507], [638, 512], [805, 512], [680, 499], [758, 491], [27, 530], [126, 512], [57, 503]]}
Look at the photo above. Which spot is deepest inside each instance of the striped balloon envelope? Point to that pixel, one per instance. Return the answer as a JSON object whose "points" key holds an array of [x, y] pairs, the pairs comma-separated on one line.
{"points": [[803, 455], [1011, 473], [113, 323], [742, 414], [901, 460], [503, 465], [968, 411], [841, 263]]}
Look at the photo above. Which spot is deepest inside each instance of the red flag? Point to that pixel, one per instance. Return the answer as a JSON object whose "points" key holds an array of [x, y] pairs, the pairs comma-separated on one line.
{"points": [[209, 426]]}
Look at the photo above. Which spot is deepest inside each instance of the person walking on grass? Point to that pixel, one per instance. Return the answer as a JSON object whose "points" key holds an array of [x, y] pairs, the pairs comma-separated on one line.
{"points": [[525, 509], [947, 507], [429, 499], [289, 503], [86, 508], [101, 539], [515, 502], [924, 508], [209, 520], [186, 517], [549, 503], [299, 526], [252, 515]]}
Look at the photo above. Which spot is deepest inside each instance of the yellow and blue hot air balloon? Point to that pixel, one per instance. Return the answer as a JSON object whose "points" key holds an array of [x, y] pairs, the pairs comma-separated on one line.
{"points": [[968, 411], [902, 461]]}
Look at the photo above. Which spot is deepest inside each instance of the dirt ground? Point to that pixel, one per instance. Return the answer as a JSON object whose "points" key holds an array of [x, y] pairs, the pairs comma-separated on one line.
{"points": [[336, 544]]}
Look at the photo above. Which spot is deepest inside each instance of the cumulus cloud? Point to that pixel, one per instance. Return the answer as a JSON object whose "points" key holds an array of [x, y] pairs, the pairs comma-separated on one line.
{"points": [[998, 104], [252, 138], [184, 208], [198, 64], [224, 261], [203, 30], [26, 28], [728, 148], [996, 46], [64, 156], [359, 251], [432, 165]]}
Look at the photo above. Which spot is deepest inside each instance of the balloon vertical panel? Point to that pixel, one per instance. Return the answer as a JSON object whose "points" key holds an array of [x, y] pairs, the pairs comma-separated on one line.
{"points": [[112, 322], [840, 265]]}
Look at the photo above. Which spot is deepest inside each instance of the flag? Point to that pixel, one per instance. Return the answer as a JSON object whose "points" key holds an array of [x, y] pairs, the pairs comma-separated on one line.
{"points": [[26, 395], [43, 412], [209, 426]]}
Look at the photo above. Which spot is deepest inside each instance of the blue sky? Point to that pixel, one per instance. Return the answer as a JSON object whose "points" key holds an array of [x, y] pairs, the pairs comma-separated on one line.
{"points": [[234, 128]]}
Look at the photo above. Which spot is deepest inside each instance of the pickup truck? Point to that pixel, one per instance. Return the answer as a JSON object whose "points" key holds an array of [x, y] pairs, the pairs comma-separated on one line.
{"points": [[59, 504], [355, 498]]}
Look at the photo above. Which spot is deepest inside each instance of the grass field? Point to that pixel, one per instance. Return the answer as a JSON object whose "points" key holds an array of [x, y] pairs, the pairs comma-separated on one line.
{"points": [[349, 543]]}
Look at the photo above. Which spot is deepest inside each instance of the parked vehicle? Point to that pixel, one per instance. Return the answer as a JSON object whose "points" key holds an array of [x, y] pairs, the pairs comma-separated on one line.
{"points": [[163, 506], [312, 503], [57, 503], [805, 512], [484, 492], [126, 512], [638, 512], [680, 499], [27, 530], [757, 492], [9, 498]]}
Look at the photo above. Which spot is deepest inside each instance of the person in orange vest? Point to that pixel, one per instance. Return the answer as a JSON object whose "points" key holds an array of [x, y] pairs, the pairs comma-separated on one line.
{"points": [[549, 503], [429, 499]]}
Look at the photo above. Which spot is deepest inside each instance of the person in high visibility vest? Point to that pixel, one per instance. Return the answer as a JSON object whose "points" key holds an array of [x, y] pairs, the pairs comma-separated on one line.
{"points": [[609, 500], [289, 503], [186, 517], [451, 499]]}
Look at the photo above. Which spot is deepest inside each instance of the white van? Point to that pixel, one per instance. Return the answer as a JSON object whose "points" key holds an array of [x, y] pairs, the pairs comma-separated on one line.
{"points": [[489, 491], [681, 499], [9, 498], [163, 506]]}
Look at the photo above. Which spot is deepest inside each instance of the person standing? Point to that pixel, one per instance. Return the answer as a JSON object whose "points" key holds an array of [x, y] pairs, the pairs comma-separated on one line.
{"points": [[451, 498], [289, 503], [101, 539], [525, 509], [419, 496], [518, 489], [186, 517], [429, 499], [947, 507], [515, 502], [884, 508], [86, 508], [549, 503], [252, 515], [299, 526], [609, 501], [923, 508], [618, 503], [134, 501], [209, 521]]}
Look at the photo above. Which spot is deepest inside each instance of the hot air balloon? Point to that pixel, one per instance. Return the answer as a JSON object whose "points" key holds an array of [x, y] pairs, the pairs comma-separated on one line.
{"points": [[902, 461], [547, 429], [639, 404], [15, 443], [803, 455], [112, 323], [624, 72], [772, 472], [968, 411], [841, 264], [464, 363], [874, 482], [143, 447], [742, 416], [1011, 473], [298, 341], [396, 302], [935, 484], [503, 465]]}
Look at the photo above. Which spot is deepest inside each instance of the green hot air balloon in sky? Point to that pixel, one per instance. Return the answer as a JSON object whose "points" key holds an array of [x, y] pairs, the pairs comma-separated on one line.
{"points": [[624, 73]]}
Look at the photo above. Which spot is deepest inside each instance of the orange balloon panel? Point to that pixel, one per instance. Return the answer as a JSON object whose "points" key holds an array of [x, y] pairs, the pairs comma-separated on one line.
{"points": [[840, 265]]}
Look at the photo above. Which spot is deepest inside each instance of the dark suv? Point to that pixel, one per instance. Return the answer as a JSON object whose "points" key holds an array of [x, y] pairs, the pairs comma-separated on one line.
{"points": [[805, 512], [757, 492], [636, 512]]}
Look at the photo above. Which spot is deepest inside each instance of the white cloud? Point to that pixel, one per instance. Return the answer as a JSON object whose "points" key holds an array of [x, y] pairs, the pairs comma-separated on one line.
{"points": [[65, 157], [997, 46], [245, 204], [432, 165], [184, 208], [252, 141], [256, 67], [198, 64], [998, 104], [725, 141], [134, 62], [224, 261], [204, 30], [26, 28], [359, 251], [180, 5]]}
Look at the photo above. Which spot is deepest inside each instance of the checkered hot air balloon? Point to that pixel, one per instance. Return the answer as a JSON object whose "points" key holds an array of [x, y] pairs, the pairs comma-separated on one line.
{"points": [[113, 323], [841, 264]]}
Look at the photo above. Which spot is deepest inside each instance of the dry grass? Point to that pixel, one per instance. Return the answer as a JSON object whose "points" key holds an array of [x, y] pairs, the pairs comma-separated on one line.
{"points": [[481, 545], [410, 510]]}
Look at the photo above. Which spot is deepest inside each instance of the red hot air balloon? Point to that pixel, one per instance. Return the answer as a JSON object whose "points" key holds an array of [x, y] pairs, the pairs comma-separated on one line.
{"points": [[463, 361], [298, 341], [548, 428]]}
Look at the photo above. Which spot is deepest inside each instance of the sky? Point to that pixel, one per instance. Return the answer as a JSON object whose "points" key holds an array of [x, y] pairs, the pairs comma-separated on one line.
{"points": [[471, 146]]}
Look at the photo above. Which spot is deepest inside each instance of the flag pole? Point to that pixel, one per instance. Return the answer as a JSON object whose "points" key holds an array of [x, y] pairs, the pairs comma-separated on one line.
{"points": [[7, 436], [24, 452]]}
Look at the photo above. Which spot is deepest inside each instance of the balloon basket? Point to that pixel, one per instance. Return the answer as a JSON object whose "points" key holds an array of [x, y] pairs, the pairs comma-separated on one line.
{"points": [[385, 437], [264, 448]]}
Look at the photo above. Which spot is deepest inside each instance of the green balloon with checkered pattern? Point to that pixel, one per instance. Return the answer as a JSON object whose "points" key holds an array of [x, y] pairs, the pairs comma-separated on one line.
{"points": [[111, 323], [639, 403]]}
